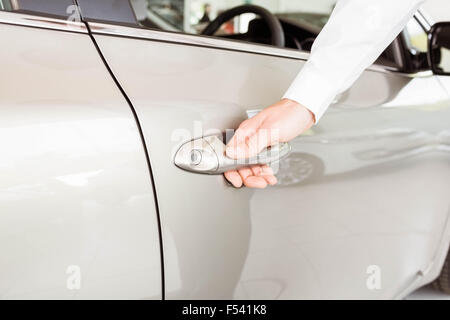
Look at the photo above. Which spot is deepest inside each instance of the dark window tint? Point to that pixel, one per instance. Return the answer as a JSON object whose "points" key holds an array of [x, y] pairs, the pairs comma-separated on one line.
{"points": [[60, 8], [118, 11]]}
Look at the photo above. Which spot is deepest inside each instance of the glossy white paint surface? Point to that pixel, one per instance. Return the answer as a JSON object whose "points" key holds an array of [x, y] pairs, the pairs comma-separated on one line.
{"points": [[74, 183], [367, 186]]}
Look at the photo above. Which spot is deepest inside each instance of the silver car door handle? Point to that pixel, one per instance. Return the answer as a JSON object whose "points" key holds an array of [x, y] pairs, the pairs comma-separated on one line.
{"points": [[207, 155]]}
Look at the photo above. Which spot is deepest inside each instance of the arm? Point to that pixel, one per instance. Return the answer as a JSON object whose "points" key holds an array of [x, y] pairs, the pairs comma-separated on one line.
{"points": [[357, 32], [355, 36]]}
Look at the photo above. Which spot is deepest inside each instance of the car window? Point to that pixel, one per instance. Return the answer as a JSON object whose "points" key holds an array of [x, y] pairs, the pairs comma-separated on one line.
{"points": [[58, 8], [193, 16], [301, 21], [118, 11], [416, 36], [416, 39]]}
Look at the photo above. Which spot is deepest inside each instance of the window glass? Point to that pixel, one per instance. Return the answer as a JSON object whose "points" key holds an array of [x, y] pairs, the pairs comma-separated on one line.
{"points": [[416, 39], [191, 15], [118, 11], [59, 8], [301, 20], [416, 36]]}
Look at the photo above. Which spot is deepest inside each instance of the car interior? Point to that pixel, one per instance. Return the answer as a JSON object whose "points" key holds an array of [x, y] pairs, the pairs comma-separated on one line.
{"points": [[297, 31]]}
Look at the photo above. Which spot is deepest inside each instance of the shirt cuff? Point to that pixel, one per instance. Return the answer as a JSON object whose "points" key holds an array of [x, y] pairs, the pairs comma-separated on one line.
{"points": [[312, 91]]}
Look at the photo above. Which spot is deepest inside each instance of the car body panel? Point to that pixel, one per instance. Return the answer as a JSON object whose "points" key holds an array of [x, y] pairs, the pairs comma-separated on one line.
{"points": [[76, 199], [368, 186]]}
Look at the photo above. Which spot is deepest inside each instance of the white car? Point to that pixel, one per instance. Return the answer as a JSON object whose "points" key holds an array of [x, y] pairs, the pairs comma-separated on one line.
{"points": [[98, 96]]}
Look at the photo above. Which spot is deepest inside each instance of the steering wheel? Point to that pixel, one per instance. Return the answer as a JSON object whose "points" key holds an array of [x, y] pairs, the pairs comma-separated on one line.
{"points": [[276, 30]]}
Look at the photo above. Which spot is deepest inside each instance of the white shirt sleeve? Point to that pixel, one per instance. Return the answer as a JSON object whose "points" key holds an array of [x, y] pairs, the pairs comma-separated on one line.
{"points": [[356, 34]]}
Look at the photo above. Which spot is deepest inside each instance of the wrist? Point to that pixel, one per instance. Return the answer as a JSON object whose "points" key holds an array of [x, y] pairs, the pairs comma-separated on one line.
{"points": [[304, 110]]}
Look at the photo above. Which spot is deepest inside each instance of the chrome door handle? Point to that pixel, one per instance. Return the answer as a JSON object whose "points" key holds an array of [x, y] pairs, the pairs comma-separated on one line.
{"points": [[207, 155]]}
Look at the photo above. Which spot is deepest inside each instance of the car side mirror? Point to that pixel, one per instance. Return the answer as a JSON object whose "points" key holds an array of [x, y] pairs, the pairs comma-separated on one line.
{"points": [[439, 48]]}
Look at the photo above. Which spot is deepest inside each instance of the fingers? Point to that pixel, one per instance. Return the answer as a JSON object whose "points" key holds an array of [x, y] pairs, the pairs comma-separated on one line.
{"points": [[254, 177], [245, 173], [244, 143], [246, 129], [255, 182], [256, 170], [268, 175], [234, 178], [251, 145], [261, 177]]}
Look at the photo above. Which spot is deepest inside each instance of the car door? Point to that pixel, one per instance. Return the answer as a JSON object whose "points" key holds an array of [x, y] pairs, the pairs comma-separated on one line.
{"points": [[362, 204], [77, 212]]}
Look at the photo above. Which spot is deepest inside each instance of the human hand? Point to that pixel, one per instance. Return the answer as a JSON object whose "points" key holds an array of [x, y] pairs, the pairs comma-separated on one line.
{"points": [[281, 122]]}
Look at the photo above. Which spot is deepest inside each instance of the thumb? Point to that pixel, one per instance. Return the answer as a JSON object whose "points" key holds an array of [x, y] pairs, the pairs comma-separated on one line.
{"points": [[248, 145], [246, 129]]}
